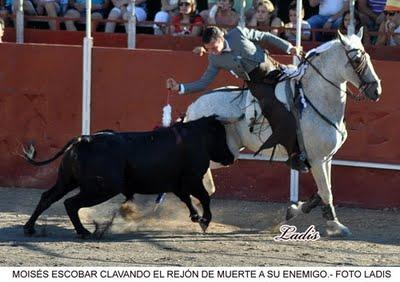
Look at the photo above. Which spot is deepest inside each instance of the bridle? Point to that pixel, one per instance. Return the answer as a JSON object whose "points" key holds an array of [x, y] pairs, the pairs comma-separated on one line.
{"points": [[359, 66]]}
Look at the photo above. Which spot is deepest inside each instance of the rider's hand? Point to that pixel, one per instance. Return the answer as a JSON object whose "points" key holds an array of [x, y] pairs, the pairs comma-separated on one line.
{"points": [[294, 51], [172, 84], [199, 50]]}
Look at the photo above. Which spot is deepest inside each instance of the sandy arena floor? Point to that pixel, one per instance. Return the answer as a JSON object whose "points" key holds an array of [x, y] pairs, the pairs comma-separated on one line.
{"points": [[239, 235]]}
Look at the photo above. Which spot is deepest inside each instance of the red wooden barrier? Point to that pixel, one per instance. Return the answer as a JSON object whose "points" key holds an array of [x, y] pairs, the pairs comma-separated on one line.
{"points": [[40, 101]]}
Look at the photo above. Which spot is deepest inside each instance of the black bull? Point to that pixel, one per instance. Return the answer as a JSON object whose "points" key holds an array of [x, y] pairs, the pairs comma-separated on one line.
{"points": [[108, 163]]}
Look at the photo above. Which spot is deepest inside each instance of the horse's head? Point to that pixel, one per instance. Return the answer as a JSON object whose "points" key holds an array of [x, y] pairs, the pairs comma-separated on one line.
{"points": [[358, 66]]}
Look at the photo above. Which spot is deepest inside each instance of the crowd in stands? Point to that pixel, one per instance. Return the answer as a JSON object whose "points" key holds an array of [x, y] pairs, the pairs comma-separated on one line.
{"points": [[188, 17]]}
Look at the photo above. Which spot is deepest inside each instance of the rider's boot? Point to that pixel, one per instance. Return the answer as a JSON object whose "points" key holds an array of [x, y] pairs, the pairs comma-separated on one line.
{"points": [[283, 126]]}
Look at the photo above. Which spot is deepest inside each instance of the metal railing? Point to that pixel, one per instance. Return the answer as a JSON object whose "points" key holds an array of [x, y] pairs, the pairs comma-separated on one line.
{"points": [[150, 24]]}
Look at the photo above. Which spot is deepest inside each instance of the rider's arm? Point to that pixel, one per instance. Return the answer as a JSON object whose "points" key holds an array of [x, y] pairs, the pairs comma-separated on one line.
{"points": [[266, 37], [201, 84]]}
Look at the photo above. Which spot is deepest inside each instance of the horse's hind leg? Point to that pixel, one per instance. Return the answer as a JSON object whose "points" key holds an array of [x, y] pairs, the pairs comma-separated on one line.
{"points": [[59, 190], [303, 207]]}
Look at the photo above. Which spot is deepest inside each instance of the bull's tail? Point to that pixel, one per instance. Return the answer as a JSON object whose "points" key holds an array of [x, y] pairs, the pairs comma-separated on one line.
{"points": [[29, 153]]}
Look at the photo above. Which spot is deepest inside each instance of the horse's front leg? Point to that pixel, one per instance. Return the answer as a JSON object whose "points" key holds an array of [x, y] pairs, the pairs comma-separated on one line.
{"points": [[322, 176]]}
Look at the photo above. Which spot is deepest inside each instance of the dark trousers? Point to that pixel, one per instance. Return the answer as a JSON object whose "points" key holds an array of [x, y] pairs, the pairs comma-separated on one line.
{"points": [[282, 122]]}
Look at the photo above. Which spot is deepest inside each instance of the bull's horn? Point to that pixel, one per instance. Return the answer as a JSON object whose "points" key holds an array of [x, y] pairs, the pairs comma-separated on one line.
{"points": [[229, 120]]}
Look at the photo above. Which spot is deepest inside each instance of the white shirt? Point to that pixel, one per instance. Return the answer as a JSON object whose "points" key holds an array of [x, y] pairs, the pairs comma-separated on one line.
{"points": [[330, 7]]}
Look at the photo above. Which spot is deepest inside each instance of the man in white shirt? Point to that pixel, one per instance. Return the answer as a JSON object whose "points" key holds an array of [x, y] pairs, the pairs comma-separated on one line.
{"points": [[330, 13]]}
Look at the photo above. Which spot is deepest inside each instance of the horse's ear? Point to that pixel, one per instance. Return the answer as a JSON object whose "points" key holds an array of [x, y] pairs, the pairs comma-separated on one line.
{"points": [[360, 32], [341, 36]]}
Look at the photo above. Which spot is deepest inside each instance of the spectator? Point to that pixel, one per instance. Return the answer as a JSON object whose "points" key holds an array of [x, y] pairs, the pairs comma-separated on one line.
{"points": [[77, 11], [371, 12], [122, 10], [265, 18], [169, 9], [221, 14], [50, 8], [202, 5], [330, 14], [305, 26], [187, 22], [250, 12], [2, 27], [282, 9], [237, 6], [4, 6], [344, 25], [389, 30], [309, 10], [28, 6]]}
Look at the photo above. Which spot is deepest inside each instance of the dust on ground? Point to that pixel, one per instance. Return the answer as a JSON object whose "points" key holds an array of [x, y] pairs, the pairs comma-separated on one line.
{"points": [[240, 234]]}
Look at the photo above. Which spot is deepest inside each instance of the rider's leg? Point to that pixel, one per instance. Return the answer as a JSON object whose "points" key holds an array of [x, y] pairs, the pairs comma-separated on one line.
{"points": [[282, 123]]}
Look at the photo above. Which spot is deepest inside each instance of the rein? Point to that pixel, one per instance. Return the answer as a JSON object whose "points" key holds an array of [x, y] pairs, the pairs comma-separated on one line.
{"points": [[359, 68], [347, 91]]}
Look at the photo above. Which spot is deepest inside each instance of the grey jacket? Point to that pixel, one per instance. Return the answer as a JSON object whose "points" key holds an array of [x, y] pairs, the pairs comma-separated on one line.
{"points": [[243, 57]]}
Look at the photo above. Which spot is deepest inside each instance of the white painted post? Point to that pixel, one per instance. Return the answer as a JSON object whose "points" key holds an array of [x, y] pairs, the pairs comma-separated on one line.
{"points": [[132, 25], [87, 71], [351, 28], [20, 22], [242, 22], [294, 174]]}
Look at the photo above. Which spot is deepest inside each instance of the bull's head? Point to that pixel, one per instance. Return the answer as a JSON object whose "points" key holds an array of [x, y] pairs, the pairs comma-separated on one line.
{"points": [[216, 139]]}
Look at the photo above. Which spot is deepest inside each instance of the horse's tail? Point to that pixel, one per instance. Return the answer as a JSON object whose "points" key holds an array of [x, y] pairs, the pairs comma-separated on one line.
{"points": [[29, 154]]}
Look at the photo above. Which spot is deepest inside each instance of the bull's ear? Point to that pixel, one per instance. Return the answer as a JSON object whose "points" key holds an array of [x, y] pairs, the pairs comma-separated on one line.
{"points": [[360, 33]]}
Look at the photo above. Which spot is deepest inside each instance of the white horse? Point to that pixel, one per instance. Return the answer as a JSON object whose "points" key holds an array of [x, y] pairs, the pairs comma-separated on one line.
{"points": [[324, 84]]}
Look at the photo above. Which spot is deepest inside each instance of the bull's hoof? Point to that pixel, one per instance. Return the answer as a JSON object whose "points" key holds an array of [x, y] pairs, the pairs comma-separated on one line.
{"points": [[204, 224], [195, 218], [293, 210], [336, 229], [29, 231]]}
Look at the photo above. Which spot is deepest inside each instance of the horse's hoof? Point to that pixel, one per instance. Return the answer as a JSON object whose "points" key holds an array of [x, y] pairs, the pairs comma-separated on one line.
{"points": [[195, 218], [29, 231], [293, 210], [336, 229], [204, 224]]}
